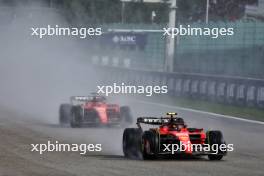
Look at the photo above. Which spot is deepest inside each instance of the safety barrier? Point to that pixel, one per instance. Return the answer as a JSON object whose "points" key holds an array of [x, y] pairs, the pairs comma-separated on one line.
{"points": [[221, 89]]}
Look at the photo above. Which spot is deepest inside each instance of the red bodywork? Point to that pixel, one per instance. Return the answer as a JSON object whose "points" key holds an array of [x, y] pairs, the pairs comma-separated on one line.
{"points": [[104, 111], [171, 137], [185, 135]]}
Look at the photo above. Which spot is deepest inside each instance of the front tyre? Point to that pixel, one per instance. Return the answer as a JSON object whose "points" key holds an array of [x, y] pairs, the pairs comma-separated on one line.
{"points": [[76, 117], [132, 142], [65, 114], [126, 114], [149, 145], [216, 138]]}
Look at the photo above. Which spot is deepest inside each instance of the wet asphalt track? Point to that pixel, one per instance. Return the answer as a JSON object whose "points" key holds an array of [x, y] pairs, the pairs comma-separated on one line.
{"points": [[16, 135]]}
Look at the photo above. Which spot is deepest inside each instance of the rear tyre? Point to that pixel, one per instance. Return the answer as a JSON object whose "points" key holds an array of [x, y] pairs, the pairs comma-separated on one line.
{"points": [[126, 114], [132, 142], [150, 145], [65, 114], [76, 117], [216, 137]]}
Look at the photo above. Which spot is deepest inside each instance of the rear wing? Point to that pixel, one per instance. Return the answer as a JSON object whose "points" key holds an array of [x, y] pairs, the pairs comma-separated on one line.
{"points": [[153, 120], [158, 121], [87, 98], [80, 98]]}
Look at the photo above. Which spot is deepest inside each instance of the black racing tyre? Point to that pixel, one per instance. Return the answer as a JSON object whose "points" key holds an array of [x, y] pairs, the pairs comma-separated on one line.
{"points": [[65, 114], [150, 142], [216, 137], [76, 115], [132, 142], [126, 114]]}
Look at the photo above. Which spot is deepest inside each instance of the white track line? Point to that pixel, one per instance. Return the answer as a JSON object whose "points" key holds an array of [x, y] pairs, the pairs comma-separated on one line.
{"points": [[202, 112]]}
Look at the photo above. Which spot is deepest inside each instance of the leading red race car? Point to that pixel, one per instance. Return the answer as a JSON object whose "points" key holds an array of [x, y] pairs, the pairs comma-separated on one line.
{"points": [[172, 138], [93, 110]]}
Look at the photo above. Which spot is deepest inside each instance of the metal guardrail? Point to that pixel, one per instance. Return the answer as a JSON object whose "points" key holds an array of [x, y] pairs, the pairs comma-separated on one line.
{"points": [[221, 89]]}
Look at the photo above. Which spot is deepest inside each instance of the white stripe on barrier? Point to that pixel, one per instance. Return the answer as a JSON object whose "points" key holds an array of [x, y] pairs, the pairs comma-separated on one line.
{"points": [[178, 86], [251, 93], [115, 61], [260, 94], [105, 60], [127, 63]]}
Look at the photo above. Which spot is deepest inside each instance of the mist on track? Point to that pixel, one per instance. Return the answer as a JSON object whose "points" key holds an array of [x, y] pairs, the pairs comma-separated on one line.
{"points": [[36, 75]]}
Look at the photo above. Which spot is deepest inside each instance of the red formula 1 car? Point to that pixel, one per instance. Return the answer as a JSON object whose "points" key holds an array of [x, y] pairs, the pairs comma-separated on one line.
{"points": [[172, 138], [93, 110]]}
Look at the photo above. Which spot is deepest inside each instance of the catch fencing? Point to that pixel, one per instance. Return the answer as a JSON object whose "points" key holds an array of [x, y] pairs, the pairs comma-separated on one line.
{"points": [[239, 55]]}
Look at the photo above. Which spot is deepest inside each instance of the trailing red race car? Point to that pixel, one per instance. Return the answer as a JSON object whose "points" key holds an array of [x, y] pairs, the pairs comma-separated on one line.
{"points": [[93, 110], [172, 138]]}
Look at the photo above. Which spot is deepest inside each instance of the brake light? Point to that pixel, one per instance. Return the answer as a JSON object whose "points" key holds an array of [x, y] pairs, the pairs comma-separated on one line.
{"points": [[183, 137]]}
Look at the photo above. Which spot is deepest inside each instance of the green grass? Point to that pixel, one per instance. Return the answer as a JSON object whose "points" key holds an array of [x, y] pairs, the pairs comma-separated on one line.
{"points": [[237, 111]]}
